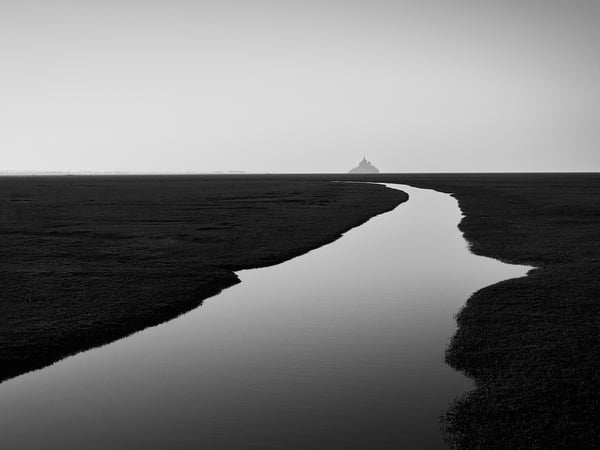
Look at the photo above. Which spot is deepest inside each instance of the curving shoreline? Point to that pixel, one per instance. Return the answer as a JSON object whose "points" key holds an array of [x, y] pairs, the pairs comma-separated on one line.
{"points": [[89, 260], [530, 344], [310, 344]]}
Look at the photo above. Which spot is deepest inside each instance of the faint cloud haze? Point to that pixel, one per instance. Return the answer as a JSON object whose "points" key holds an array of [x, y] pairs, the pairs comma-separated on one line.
{"points": [[299, 86]]}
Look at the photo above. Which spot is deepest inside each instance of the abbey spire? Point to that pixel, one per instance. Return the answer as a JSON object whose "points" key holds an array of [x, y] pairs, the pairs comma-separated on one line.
{"points": [[364, 166]]}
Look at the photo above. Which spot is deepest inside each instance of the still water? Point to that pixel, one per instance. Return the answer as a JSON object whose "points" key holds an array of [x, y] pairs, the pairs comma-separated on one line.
{"points": [[339, 348]]}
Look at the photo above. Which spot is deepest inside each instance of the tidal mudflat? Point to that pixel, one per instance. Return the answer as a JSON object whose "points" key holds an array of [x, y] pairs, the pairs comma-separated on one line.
{"points": [[339, 348]]}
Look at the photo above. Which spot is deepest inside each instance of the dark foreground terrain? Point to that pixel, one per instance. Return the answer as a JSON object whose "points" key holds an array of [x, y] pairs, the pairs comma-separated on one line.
{"points": [[87, 260], [532, 345]]}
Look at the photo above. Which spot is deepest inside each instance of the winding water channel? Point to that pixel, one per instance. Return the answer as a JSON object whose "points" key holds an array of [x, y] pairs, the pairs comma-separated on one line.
{"points": [[339, 348]]}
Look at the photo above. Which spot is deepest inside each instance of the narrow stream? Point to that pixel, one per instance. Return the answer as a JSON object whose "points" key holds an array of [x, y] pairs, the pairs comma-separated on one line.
{"points": [[339, 348]]}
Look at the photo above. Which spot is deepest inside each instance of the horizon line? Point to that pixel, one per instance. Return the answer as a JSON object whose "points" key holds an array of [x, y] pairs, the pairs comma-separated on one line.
{"points": [[242, 172]]}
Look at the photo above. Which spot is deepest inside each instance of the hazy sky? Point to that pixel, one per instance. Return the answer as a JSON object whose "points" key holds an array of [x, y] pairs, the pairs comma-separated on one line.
{"points": [[299, 86]]}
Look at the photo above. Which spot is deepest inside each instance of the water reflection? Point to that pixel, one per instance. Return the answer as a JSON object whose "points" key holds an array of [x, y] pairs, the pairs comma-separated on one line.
{"points": [[340, 348]]}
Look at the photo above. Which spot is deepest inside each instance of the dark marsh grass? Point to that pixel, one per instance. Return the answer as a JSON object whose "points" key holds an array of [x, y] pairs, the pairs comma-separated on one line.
{"points": [[87, 260], [531, 345]]}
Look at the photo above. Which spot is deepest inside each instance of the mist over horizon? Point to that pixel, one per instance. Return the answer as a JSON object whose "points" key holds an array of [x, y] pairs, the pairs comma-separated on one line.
{"points": [[311, 87]]}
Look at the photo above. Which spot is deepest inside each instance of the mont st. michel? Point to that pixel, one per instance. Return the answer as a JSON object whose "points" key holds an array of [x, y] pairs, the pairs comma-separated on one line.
{"points": [[364, 166]]}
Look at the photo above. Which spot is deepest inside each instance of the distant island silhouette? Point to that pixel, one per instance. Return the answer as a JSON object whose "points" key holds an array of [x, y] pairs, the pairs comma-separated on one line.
{"points": [[364, 167]]}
